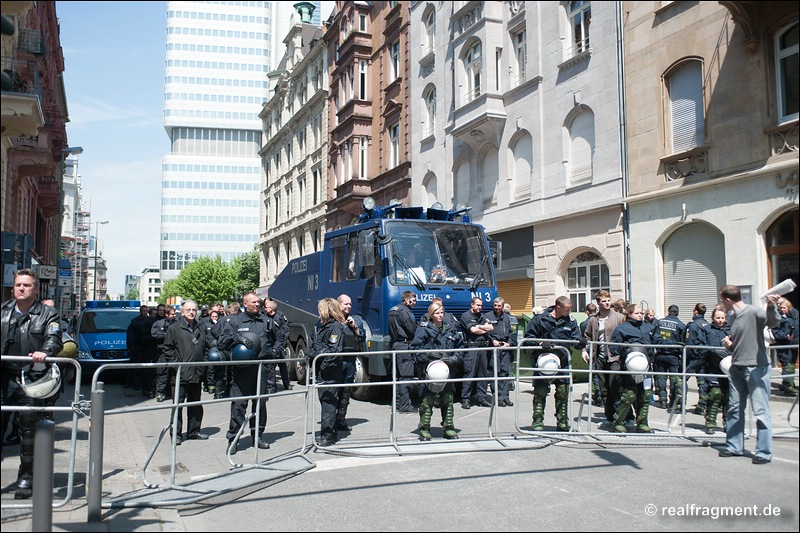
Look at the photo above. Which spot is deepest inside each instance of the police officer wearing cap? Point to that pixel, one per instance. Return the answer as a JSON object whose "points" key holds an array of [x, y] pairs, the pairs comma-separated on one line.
{"points": [[245, 377], [402, 326], [30, 329]]}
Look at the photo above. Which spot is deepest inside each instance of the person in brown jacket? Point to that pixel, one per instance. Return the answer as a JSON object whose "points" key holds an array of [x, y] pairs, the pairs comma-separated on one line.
{"points": [[599, 329]]}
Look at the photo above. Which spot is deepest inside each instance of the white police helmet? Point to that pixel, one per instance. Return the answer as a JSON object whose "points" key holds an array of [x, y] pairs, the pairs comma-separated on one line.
{"points": [[548, 363], [42, 383], [437, 370], [636, 362], [725, 364]]}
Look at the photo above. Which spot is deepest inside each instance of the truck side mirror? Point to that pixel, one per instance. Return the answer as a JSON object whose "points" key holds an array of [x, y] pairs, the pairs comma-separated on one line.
{"points": [[496, 253]]}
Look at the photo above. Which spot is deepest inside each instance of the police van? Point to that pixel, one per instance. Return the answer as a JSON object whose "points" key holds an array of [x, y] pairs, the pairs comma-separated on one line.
{"points": [[101, 331]]}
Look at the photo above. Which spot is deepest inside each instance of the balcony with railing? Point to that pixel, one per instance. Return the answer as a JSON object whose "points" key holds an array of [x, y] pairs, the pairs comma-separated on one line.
{"points": [[22, 113]]}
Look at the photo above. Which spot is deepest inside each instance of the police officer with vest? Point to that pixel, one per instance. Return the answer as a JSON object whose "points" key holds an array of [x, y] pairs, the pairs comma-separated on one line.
{"points": [[30, 329], [246, 377], [669, 330], [354, 341], [280, 326], [402, 326], [503, 337], [697, 335]]}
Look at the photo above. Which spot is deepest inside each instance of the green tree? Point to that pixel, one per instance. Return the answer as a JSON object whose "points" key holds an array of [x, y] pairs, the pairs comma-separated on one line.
{"points": [[245, 268], [133, 294], [169, 289], [207, 280]]}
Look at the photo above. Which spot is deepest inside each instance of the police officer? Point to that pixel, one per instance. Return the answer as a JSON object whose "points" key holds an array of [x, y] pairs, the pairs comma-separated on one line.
{"points": [[402, 326], [329, 338], [554, 323], [503, 336], [697, 335], [718, 386], [669, 330], [354, 341], [246, 377], [31, 329], [477, 330], [164, 375], [280, 326]]}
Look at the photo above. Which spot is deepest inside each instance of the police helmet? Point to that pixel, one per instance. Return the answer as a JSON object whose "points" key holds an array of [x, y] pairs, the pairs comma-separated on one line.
{"points": [[214, 355], [548, 363], [241, 353], [40, 381], [70, 347], [637, 362], [725, 364], [440, 371]]}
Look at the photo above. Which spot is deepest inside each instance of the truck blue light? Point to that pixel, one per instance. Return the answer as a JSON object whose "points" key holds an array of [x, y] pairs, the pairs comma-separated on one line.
{"points": [[431, 252]]}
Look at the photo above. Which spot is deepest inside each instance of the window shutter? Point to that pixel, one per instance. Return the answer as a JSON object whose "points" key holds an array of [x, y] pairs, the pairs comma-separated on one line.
{"points": [[518, 293], [686, 97], [694, 268]]}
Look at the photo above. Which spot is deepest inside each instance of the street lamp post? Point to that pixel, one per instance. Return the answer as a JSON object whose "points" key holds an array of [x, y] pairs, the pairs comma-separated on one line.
{"points": [[96, 242]]}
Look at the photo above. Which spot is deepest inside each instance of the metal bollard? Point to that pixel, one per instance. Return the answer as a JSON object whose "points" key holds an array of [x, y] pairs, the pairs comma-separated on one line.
{"points": [[94, 481], [43, 451]]}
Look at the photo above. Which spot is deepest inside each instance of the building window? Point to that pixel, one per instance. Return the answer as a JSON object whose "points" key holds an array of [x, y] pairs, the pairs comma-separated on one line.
{"points": [[586, 275], [520, 54], [394, 145], [394, 52], [362, 158], [362, 79], [430, 31], [580, 16], [430, 113], [581, 148], [685, 86], [786, 61], [472, 65], [362, 22]]}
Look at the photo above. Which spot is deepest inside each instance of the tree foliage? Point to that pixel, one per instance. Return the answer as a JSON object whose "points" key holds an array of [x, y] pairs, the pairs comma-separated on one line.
{"points": [[169, 289], [206, 281], [133, 294], [245, 268]]}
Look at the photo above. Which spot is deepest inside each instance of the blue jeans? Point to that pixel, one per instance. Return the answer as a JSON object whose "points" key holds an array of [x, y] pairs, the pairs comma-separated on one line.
{"points": [[752, 380]]}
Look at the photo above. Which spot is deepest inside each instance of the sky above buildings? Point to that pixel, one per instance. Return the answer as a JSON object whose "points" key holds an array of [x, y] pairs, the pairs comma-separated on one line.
{"points": [[114, 82]]}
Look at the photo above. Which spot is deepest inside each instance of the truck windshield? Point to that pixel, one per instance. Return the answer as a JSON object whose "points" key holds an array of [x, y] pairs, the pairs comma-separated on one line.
{"points": [[436, 253]]}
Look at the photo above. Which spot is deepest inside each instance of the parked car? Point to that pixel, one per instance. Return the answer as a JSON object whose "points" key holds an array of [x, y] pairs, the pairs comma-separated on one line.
{"points": [[101, 330]]}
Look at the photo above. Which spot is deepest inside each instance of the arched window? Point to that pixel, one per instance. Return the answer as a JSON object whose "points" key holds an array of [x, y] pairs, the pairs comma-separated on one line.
{"points": [[522, 153], [430, 192], [430, 30], [462, 184], [783, 246], [687, 117], [490, 172], [580, 16], [430, 112], [587, 274], [472, 66], [786, 60], [581, 148]]}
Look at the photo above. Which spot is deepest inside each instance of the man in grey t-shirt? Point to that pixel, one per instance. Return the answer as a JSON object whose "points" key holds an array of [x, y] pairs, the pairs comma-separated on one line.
{"points": [[749, 372]]}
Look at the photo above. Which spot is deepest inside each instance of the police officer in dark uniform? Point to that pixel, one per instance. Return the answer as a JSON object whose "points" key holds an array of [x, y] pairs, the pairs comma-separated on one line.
{"points": [[280, 326], [402, 326], [165, 375], [354, 341], [27, 328], [669, 330], [697, 335], [554, 323], [245, 378], [503, 336], [477, 331]]}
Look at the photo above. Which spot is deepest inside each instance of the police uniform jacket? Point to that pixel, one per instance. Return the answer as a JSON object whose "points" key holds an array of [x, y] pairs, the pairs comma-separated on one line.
{"points": [[503, 330], [697, 335], [468, 321], [401, 326], [280, 330], [186, 344], [546, 326], [260, 324], [37, 331], [785, 334], [713, 357], [354, 342], [429, 337], [669, 330], [329, 338], [630, 332], [159, 329]]}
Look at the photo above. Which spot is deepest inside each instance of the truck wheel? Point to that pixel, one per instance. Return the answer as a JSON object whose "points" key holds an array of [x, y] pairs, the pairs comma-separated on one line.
{"points": [[300, 370], [364, 394]]}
